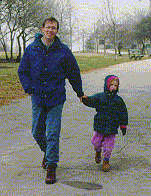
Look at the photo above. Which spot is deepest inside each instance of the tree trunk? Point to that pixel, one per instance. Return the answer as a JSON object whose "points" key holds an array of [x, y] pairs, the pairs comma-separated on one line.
{"points": [[83, 40], [12, 42], [24, 41], [19, 47], [5, 48], [104, 47], [115, 43]]}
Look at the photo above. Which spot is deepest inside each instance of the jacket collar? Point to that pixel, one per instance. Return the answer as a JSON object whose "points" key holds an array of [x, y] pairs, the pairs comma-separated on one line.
{"points": [[38, 42]]}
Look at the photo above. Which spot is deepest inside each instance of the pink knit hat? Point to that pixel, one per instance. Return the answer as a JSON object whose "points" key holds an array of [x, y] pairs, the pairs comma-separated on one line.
{"points": [[110, 79]]}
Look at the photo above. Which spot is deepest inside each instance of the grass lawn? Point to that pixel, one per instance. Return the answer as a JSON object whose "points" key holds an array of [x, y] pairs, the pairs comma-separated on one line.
{"points": [[89, 63], [10, 87]]}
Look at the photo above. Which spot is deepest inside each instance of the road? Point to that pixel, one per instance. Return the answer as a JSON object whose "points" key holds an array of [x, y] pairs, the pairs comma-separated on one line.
{"points": [[77, 173]]}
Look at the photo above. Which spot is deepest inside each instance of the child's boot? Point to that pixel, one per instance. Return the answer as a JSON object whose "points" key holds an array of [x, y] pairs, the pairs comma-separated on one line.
{"points": [[106, 166], [98, 157]]}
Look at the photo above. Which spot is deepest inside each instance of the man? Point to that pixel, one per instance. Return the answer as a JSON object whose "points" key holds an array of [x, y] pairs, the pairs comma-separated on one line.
{"points": [[44, 67]]}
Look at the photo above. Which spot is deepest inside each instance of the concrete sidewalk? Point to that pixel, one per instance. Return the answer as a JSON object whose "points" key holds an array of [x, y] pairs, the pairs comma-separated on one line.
{"points": [[77, 174]]}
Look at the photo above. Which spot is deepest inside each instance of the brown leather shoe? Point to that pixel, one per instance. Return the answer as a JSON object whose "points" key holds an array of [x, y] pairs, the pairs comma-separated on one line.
{"points": [[98, 157], [106, 166], [44, 162], [50, 177]]}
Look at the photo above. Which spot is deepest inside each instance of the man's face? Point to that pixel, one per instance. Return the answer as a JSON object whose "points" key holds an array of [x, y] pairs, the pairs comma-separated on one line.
{"points": [[113, 85], [50, 30]]}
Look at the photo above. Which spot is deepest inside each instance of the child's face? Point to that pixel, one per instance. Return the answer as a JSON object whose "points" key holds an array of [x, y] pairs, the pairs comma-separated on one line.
{"points": [[113, 85]]}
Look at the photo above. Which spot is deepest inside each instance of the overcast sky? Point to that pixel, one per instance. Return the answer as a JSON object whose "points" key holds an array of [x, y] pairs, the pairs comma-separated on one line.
{"points": [[120, 1], [119, 4], [90, 10]]}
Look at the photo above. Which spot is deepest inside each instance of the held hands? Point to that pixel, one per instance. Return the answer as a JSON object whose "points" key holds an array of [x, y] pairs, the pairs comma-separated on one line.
{"points": [[123, 131], [83, 97]]}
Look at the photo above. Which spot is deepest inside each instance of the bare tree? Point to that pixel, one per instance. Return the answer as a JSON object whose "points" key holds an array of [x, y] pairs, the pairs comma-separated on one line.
{"points": [[29, 18], [131, 28], [12, 23], [8, 19], [111, 21], [117, 27], [3, 41], [65, 14], [20, 19]]}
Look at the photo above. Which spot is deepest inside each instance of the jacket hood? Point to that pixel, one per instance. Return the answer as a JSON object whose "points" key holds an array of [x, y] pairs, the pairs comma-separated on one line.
{"points": [[38, 41], [38, 36], [107, 84]]}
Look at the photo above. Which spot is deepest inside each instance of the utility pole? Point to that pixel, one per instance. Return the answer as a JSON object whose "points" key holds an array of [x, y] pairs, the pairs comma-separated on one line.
{"points": [[70, 24], [83, 36], [78, 36], [83, 39], [70, 33], [94, 38]]}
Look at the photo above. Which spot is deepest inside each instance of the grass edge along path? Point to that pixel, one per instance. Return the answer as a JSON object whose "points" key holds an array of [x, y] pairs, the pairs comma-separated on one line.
{"points": [[10, 87]]}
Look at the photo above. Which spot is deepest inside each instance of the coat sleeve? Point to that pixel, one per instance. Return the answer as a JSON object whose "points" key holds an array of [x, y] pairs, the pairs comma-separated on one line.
{"points": [[73, 73], [123, 113], [24, 72], [91, 101]]}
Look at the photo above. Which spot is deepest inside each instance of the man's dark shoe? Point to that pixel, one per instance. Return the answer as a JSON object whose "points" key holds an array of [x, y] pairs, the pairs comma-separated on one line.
{"points": [[98, 157], [50, 177], [44, 162]]}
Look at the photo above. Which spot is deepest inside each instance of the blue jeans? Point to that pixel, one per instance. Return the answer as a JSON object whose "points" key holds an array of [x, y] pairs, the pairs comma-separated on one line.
{"points": [[46, 127]]}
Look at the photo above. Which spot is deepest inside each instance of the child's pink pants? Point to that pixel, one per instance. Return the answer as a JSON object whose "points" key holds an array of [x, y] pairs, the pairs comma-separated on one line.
{"points": [[107, 142]]}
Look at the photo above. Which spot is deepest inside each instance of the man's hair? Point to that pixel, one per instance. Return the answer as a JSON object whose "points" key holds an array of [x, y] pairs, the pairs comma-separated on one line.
{"points": [[51, 19]]}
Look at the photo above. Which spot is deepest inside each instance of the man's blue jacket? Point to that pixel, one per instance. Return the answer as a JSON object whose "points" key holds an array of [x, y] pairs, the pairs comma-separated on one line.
{"points": [[42, 72]]}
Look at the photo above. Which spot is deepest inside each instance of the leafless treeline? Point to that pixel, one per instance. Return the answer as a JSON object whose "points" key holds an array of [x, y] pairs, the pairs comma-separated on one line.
{"points": [[21, 19]]}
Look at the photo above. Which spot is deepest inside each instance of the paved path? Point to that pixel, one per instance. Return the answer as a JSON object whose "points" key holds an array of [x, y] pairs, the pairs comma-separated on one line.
{"points": [[77, 174]]}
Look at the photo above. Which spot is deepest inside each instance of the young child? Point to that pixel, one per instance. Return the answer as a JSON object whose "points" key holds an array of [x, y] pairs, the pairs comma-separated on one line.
{"points": [[111, 113]]}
